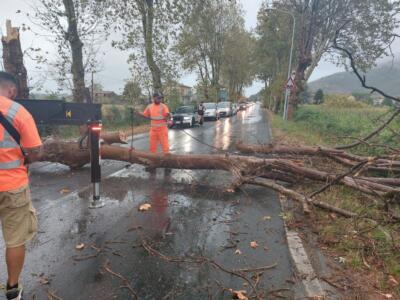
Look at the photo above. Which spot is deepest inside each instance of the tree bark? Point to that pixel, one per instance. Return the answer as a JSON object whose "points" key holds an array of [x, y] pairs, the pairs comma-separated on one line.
{"points": [[245, 170], [241, 167], [77, 69], [388, 165], [13, 59], [147, 12]]}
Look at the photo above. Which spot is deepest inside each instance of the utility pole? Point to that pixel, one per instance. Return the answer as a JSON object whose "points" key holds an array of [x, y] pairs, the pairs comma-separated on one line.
{"points": [[92, 98]]}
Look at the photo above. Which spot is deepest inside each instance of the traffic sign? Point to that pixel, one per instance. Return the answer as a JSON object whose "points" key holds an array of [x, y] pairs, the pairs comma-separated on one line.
{"points": [[290, 84]]}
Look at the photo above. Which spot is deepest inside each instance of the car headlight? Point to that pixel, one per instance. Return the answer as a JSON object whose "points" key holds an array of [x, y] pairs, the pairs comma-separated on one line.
{"points": [[187, 118]]}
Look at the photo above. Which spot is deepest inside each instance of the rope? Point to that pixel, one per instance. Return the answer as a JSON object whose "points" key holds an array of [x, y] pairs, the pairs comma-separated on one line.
{"points": [[132, 128], [204, 143]]}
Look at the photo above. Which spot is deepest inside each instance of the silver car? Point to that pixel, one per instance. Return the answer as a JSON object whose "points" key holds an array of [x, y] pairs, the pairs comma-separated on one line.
{"points": [[225, 109], [211, 111]]}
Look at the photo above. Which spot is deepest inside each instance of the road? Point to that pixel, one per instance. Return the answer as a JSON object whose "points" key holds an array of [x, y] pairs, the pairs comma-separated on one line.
{"points": [[192, 225]]}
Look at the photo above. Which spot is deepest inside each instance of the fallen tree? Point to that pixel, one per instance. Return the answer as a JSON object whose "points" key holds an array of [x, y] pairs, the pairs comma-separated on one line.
{"points": [[268, 172], [388, 164]]}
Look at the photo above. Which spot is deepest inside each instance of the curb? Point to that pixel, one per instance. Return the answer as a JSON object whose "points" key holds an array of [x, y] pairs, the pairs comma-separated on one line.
{"points": [[305, 271]]}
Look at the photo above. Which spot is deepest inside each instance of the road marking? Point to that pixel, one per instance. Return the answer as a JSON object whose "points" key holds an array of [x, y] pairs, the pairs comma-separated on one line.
{"points": [[312, 286]]}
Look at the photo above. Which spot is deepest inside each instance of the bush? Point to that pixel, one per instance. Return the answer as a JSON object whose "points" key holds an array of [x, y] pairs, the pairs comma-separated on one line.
{"points": [[115, 116], [343, 101], [319, 97]]}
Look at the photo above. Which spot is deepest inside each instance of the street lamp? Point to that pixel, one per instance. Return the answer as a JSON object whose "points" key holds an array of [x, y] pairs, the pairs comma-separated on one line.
{"points": [[287, 91]]}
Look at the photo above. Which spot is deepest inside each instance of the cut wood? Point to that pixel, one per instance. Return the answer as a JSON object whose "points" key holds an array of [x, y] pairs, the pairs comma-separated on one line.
{"points": [[118, 137]]}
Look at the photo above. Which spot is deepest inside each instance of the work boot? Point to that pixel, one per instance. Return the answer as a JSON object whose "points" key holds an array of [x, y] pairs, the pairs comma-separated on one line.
{"points": [[15, 293]]}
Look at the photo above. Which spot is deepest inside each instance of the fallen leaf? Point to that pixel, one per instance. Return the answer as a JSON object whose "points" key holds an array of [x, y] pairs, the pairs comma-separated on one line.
{"points": [[333, 216], [241, 295], [44, 280], [238, 252], [253, 245], [80, 246], [64, 191], [342, 260], [392, 281], [144, 207], [267, 218], [387, 296]]}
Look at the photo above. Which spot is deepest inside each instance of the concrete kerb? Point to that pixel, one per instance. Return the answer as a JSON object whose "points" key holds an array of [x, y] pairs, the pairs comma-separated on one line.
{"points": [[305, 271]]}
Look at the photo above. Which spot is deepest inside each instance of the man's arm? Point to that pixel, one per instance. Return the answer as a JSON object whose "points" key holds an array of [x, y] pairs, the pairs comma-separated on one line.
{"points": [[34, 154], [30, 139], [167, 114], [145, 114]]}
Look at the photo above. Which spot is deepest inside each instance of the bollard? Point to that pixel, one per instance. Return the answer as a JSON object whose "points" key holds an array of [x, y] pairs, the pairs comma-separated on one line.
{"points": [[94, 142]]}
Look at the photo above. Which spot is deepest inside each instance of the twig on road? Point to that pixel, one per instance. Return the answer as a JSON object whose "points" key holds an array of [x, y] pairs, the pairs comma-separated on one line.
{"points": [[126, 285], [200, 260], [52, 296], [257, 269], [86, 257]]}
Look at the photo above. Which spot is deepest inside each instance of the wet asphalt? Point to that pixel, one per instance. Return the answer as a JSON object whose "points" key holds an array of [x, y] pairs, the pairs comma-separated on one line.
{"points": [[192, 227]]}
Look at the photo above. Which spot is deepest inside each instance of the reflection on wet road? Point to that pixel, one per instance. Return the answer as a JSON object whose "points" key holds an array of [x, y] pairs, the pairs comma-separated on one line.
{"points": [[191, 217]]}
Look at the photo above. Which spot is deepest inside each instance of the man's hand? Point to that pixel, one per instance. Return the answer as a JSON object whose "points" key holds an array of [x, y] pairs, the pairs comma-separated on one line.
{"points": [[139, 114], [34, 154]]}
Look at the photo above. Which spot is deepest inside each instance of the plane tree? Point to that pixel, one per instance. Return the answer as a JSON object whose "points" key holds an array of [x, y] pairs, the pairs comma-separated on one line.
{"points": [[367, 28], [75, 28], [148, 29], [203, 41]]}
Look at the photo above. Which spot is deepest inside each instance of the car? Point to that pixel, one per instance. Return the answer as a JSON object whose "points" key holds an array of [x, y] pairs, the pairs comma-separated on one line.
{"points": [[235, 109], [211, 111], [225, 109], [242, 106], [185, 116]]}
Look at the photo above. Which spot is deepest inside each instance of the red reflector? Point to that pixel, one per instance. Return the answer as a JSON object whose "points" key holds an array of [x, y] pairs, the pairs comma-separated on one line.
{"points": [[96, 128]]}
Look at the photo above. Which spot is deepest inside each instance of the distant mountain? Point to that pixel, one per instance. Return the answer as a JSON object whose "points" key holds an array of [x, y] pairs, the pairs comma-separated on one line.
{"points": [[385, 77]]}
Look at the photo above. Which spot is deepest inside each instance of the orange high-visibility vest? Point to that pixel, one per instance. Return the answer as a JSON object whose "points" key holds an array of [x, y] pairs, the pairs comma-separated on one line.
{"points": [[157, 114], [13, 172]]}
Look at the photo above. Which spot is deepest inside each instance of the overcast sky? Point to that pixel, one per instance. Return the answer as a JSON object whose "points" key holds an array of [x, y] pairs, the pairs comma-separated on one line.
{"points": [[115, 70]]}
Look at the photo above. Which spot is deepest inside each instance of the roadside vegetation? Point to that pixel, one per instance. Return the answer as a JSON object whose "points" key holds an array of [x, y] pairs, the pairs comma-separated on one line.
{"points": [[368, 247], [342, 120]]}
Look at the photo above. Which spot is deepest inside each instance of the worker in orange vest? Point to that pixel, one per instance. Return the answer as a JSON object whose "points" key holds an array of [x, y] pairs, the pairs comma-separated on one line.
{"points": [[159, 115], [20, 144]]}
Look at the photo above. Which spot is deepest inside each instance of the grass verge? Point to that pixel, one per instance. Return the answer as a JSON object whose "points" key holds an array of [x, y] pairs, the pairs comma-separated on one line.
{"points": [[367, 248]]}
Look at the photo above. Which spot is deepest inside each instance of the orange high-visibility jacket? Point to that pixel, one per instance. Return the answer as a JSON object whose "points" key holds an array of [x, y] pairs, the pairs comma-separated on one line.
{"points": [[13, 172], [157, 114]]}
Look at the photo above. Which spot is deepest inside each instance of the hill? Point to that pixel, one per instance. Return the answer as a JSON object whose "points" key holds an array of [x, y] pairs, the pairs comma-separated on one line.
{"points": [[385, 76]]}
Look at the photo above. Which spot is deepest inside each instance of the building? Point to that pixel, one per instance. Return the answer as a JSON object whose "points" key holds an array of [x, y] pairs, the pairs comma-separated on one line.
{"points": [[183, 93], [106, 97]]}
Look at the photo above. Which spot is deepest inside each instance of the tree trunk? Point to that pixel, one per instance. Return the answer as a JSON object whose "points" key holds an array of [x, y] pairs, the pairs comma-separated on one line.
{"points": [[243, 168], [77, 69], [267, 172], [13, 59], [148, 23], [389, 165]]}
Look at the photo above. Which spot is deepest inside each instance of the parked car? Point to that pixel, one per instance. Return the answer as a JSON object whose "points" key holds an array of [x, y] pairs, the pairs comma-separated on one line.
{"points": [[211, 111], [235, 109], [242, 106], [225, 109], [185, 116]]}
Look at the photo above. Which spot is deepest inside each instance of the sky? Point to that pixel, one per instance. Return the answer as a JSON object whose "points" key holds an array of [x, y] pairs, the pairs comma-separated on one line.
{"points": [[114, 68]]}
